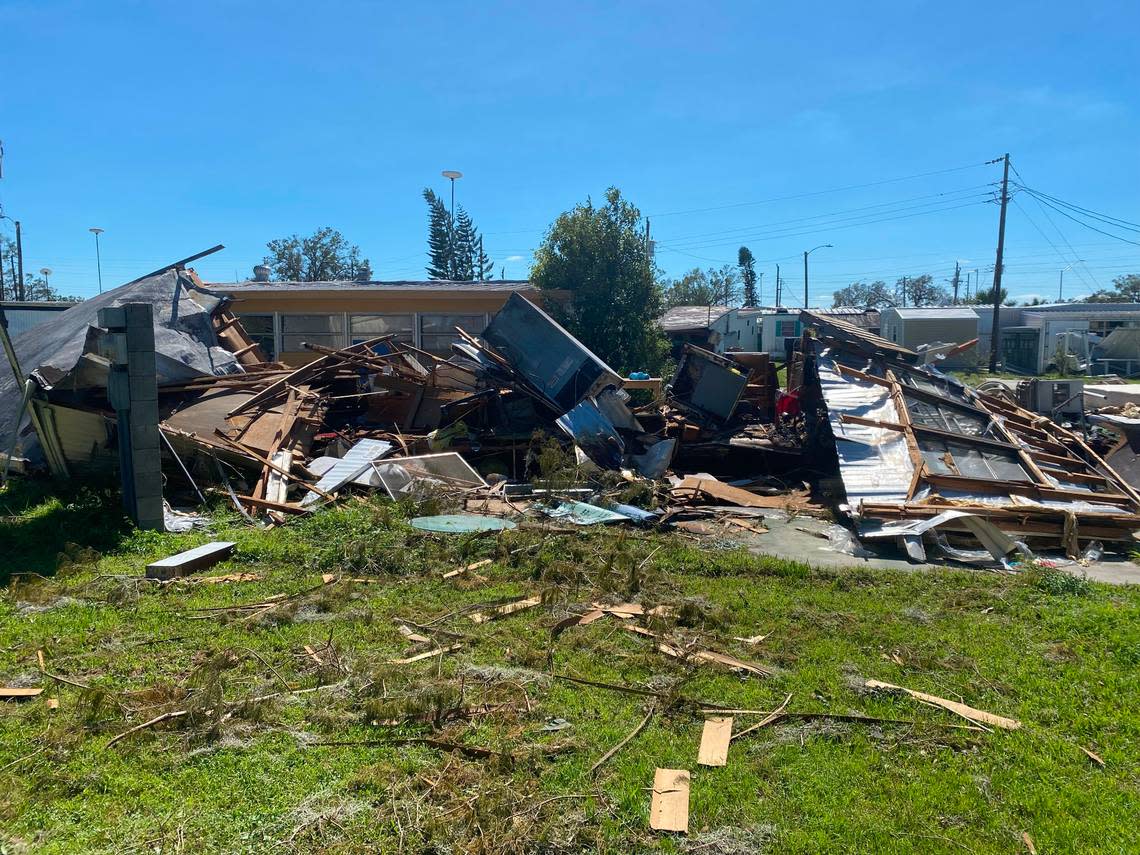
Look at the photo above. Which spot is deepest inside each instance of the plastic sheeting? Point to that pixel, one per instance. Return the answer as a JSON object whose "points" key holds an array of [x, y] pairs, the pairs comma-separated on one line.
{"points": [[60, 354]]}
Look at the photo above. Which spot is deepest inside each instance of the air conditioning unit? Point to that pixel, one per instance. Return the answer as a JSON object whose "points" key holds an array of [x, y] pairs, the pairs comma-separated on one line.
{"points": [[1060, 398]]}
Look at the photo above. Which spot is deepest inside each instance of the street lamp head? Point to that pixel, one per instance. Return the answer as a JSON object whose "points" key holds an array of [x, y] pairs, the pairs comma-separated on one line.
{"points": [[96, 231], [452, 174], [46, 271]]}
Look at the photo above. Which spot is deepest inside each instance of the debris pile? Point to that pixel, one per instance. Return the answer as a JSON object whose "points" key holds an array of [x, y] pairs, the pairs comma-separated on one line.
{"points": [[384, 415], [921, 453]]}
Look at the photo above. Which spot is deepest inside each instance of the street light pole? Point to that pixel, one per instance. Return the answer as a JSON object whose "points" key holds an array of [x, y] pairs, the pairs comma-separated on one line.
{"points": [[98, 260], [806, 254], [1061, 281], [46, 271], [452, 174]]}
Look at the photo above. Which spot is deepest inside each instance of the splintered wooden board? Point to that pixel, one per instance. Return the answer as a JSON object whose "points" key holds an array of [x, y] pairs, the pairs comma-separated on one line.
{"points": [[18, 694], [714, 741], [669, 808]]}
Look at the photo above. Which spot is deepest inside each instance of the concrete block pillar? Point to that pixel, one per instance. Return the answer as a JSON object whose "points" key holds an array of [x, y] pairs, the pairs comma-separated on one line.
{"points": [[132, 388]]}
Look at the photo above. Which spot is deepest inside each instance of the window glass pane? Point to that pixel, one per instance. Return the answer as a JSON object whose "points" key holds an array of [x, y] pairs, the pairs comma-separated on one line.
{"points": [[325, 330], [364, 327], [260, 329], [437, 332]]}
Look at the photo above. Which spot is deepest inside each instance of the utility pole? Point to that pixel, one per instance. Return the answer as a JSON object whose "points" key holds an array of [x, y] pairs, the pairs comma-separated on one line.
{"points": [[19, 289], [902, 283], [777, 286], [995, 331], [957, 273], [760, 290], [967, 287]]}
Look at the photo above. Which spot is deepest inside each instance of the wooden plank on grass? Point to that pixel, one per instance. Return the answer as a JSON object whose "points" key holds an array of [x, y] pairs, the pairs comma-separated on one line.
{"points": [[967, 712], [185, 563], [450, 574], [669, 807], [508, 609], [714, 741], [419, 657], [18, 694]]}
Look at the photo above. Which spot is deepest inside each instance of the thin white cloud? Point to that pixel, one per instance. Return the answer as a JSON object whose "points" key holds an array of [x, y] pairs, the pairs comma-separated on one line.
{"points": [[514, 258]]}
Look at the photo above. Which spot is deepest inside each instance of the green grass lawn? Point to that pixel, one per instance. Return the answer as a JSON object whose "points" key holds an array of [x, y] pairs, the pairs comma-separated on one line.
{"points": [[1061, 655]]}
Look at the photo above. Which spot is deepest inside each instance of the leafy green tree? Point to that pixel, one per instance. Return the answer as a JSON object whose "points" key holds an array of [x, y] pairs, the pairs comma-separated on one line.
{"points": [[597, 254], [692, 289], [864, 295], [723, 282], [1128, 287], [985, 297], [747, 264], [34, 288], [323, 256], [921, 291]]}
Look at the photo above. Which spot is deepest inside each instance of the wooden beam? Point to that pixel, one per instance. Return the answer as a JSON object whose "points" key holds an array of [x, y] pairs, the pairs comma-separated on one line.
{"points": [[1022, 488]]}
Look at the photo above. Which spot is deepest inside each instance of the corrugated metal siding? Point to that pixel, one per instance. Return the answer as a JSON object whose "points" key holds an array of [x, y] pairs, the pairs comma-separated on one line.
{"points": [[874, 463], [22, 320]]}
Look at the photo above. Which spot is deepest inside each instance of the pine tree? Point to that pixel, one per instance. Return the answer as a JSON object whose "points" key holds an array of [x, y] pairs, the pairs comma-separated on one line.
{"points": [[484, 267], [441, 238], [463, 255], [747, 265]]}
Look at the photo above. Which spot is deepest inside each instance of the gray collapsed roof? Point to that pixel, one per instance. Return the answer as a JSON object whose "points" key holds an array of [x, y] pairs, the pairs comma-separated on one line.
{"points": [[681, 318], [54, 353]]}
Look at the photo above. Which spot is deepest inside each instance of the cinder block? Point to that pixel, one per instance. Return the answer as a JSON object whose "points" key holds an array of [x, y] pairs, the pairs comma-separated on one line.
{"points": [[113, 317], [138, 314], [143, 388], [141, 364]]}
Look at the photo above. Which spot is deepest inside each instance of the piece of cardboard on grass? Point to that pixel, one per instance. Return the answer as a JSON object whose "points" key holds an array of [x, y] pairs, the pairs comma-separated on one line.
{"points": [[669, 807], [715, 737]]}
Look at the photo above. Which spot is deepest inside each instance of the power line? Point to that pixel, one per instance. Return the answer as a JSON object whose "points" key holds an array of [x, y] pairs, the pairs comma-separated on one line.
{"points": [[1056, 228], [1105, 218], [826, 227], [680, 239], [1065, 213], [1073, 261], [818, 192]]}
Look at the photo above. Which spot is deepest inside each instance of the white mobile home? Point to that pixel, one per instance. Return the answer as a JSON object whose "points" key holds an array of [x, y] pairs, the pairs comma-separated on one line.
{"points": [[714, 328]]}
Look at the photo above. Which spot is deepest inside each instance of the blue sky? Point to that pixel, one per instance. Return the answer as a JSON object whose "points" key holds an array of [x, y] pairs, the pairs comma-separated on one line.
{"points": [[179, 126]]}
